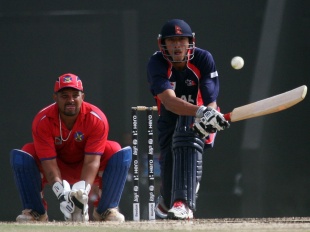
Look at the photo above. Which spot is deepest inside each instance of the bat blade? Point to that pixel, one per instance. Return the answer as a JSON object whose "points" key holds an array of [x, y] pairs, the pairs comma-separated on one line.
{"points": [[268, 105]]}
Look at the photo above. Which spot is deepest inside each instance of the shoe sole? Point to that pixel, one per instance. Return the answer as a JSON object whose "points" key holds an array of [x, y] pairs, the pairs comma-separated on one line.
{"points": [[172, 216]]}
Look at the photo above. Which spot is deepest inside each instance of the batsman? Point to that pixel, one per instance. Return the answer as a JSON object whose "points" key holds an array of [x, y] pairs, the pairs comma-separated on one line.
{"points": [[184, 81], [71, 152]]}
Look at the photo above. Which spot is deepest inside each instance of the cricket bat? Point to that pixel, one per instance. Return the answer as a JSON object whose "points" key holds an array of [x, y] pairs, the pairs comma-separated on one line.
{"points": [[268, 105]]}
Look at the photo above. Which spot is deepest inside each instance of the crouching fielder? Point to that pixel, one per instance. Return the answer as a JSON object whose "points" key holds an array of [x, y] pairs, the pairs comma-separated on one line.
{"points": [[71, 153]]}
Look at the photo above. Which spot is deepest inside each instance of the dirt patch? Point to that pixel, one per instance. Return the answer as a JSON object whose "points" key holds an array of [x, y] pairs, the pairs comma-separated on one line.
{"points": [[228, 224]]}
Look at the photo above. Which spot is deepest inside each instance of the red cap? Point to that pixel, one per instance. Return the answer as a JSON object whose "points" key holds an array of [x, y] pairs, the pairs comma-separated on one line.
{"points": [[68, 80]]}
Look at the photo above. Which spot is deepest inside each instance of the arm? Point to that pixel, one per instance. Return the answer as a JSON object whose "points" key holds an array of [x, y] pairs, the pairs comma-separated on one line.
{"points": [[90, 168], [60, 187], [179, 106], [51, 170], [68, 198]]}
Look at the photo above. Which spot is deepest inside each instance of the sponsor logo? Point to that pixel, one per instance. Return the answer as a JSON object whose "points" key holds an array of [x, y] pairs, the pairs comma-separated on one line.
{"points": [[58, 141], [189, 82]]}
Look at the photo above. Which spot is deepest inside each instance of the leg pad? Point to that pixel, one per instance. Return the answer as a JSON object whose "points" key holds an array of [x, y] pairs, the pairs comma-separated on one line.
{"points": [[28, 180], [187, 163], [114, 178]]}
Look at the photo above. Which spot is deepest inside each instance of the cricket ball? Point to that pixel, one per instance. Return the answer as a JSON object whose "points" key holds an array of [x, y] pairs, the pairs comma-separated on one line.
{"points": [[237, 62]]}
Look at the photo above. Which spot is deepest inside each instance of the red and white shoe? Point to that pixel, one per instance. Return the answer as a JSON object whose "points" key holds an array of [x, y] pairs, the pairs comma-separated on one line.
{"points": [[180, 211]]}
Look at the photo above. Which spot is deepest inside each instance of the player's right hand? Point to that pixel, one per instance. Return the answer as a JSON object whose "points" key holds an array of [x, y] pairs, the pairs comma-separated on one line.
{"points": [[209, 120], [62, 191]]}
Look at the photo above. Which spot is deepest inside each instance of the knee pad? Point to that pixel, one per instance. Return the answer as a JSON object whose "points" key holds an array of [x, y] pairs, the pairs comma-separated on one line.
{"points": [[114, 178], [28, 180], [111, 148], [187, 163]]}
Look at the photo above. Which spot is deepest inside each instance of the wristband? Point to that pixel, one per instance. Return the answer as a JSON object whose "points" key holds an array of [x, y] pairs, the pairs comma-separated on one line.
{"points": [[58, 189], [199, 112]]}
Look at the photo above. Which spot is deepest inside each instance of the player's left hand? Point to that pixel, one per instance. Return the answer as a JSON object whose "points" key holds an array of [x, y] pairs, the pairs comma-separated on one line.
{"points": [[79, 196]]}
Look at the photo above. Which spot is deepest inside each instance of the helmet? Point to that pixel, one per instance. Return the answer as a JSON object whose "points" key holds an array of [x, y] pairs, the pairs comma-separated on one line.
{"points": [[176, 28]]}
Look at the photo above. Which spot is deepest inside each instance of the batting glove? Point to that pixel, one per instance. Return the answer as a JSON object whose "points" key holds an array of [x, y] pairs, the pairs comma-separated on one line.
{"points": [[209, 120]]}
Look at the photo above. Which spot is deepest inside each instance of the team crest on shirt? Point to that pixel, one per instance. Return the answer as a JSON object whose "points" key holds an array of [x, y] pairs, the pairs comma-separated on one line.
{"points": [[78, 136], [173, 85], [189, 82]]}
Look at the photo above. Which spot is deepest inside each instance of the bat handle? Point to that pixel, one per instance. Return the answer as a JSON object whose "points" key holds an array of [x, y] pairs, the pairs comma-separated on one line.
{"points": [[227, 116]]}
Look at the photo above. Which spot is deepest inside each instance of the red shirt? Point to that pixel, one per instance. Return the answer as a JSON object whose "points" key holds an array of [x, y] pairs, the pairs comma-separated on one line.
{"points": [[88, 136]]}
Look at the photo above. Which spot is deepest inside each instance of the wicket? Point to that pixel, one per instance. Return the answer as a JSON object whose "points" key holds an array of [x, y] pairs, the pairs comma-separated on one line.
{"points": [[135, 160]]}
